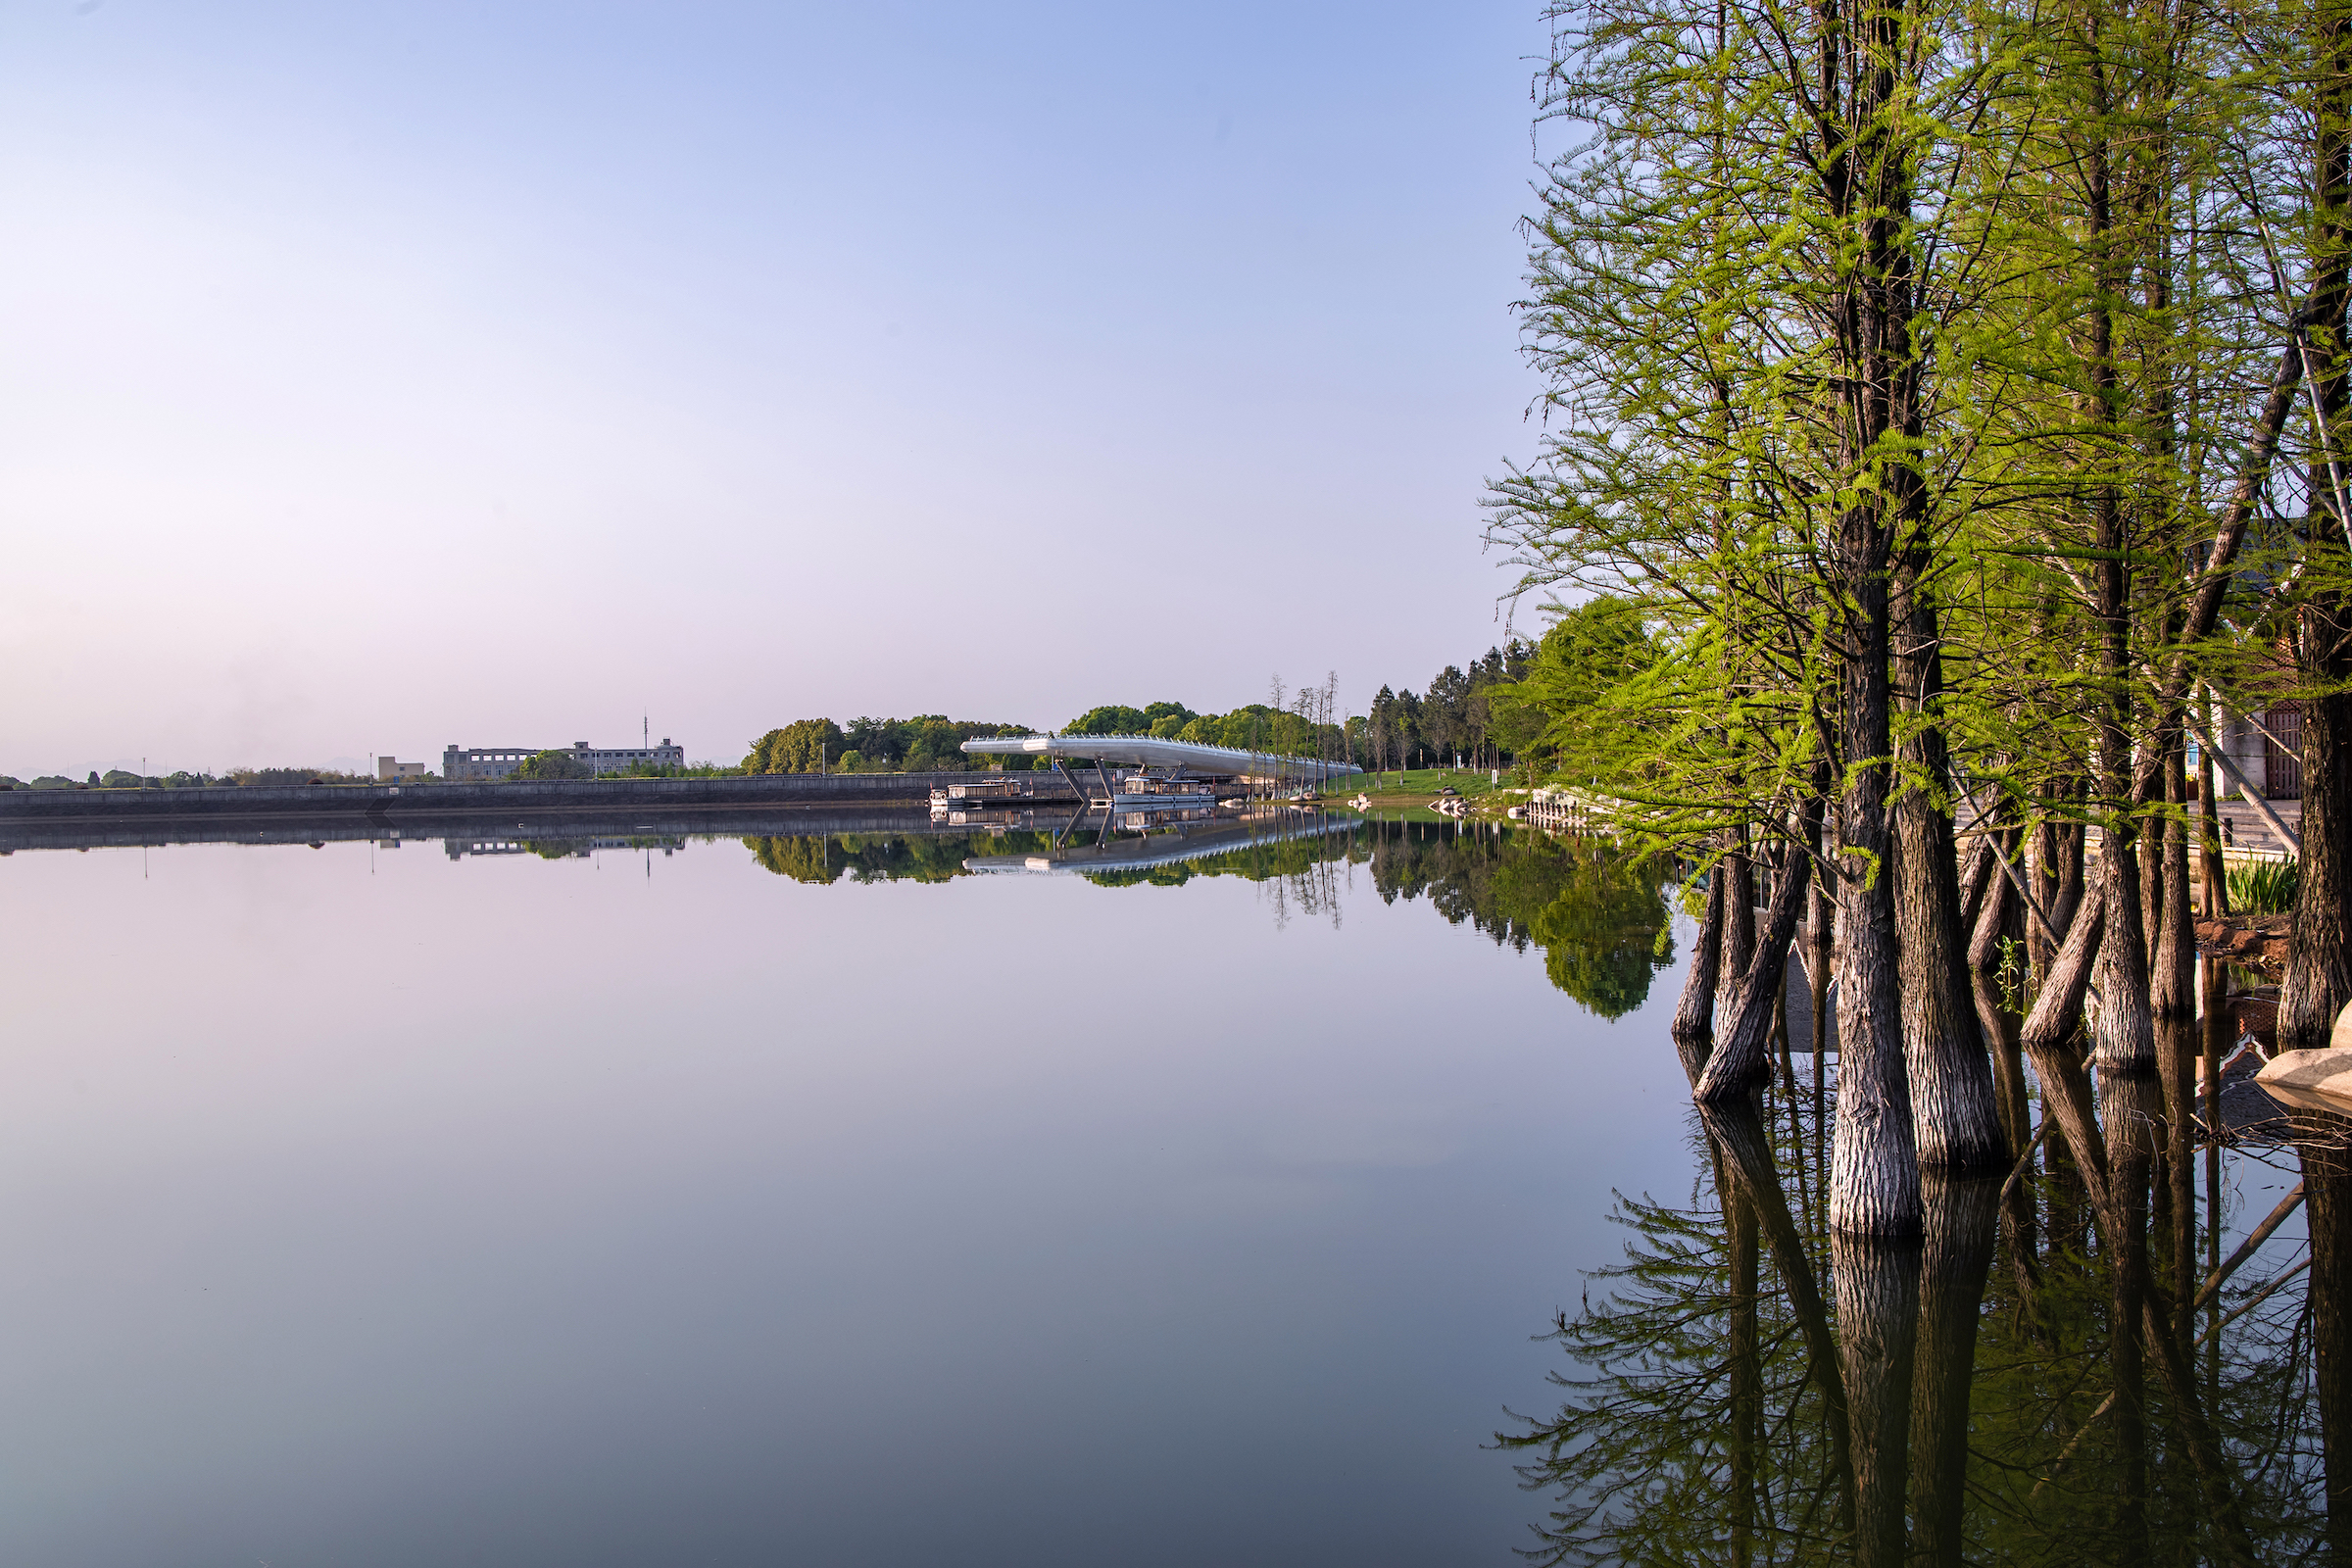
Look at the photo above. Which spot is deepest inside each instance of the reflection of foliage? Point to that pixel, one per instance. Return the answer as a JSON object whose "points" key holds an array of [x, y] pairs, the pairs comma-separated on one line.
{"points": [[1694, 1429], [885, 858], [1606, 934], [802, 859], [1641, 1458], [1599, 915], [1261, 861]]}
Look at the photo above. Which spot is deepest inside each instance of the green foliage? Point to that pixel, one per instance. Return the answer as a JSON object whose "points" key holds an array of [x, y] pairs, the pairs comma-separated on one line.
{"points": [[928, 743], [1575, 693], [287, 776], [1159, 718], [2265, 887], [552, 764], [805, 746]]}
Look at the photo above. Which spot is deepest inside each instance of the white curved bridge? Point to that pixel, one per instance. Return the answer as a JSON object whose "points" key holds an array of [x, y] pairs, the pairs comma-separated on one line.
{"points": [[1180, 757]]}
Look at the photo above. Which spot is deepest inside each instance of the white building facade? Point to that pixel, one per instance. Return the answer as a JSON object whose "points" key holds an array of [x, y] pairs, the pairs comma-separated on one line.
{"points": [[469, 762]]}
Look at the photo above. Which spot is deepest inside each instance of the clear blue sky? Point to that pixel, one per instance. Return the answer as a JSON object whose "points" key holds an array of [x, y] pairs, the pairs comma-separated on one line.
{"points": [[374, 377]]}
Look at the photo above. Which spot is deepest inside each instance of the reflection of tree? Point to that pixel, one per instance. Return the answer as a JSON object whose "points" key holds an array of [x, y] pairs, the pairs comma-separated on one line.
{"points": [[1604, 935], [1953, 1406], [885, 858], [1597, 913]]}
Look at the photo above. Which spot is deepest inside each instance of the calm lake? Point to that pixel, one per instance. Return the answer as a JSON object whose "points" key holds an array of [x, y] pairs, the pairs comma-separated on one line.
{"points": [[818, 1201]]}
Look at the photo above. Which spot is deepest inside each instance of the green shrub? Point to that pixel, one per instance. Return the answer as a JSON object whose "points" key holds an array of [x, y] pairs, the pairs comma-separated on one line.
{"points": [[2265, 887]]}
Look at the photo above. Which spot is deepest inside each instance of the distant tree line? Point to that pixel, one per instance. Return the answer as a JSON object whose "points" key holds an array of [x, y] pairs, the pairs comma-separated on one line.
{"points": [[119, 779], [1468, 714], [928, 743]]}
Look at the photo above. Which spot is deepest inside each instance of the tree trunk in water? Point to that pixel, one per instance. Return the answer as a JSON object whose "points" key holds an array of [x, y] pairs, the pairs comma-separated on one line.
{"points": [[1877, 1330], [2319, 969], [1960, 1216], [1739, 872], [1956, 1123], [2040, 876], [1955, 1117], [1741, 1060], [2058, 1009], [1997, 921], [1694, 1026], [1865, 168], [2174, 985], [2216, 875], [1874, 1166], [2328, 1207], [2123, 1035]]}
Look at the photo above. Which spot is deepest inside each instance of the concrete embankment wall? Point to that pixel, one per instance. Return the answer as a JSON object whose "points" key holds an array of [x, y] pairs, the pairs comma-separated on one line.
{"points": [[384, 804]]}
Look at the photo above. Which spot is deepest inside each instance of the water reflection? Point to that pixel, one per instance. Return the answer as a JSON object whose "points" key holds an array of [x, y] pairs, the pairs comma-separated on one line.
{"points": [[1598, 914], [2066, 1370]]}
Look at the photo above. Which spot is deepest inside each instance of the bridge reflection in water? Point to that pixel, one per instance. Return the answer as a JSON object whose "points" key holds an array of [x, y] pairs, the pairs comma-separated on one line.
{"points": [[1170, 838]]}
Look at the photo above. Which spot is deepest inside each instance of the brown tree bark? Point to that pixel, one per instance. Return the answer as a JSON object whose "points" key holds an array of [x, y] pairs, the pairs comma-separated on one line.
{"points": [[1739, 872], [2318, 984], [1693, 1027], [2000, 919], [1866, 70], [1956, 1121], [2328, 1200], [2214, 875], [2173, 992], [2318, 969], [1741, 1060]]}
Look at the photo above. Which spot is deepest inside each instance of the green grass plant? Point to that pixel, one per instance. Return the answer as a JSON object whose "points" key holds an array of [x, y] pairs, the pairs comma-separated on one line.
{"points": [[2265, 887]]}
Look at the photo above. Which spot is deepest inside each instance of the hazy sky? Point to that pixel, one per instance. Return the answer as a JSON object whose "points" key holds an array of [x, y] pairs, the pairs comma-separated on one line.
{"points": [[375, 377]]}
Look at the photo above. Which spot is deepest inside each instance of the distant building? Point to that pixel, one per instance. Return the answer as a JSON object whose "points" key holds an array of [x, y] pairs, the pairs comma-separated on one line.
{"points": [[496, 762], [390, 771], [2268, 749]]}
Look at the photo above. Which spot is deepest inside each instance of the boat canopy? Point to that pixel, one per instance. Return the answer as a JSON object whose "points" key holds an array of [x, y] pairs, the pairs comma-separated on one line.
{"points": [[1152, 751]]}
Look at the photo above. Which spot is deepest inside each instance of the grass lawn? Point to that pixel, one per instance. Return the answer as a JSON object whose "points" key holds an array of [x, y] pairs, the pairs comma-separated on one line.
{"points": [[1417, 787]]}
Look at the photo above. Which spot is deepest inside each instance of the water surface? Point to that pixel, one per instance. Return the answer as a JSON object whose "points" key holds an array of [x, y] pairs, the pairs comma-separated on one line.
{"points": [[793, 1200]]}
